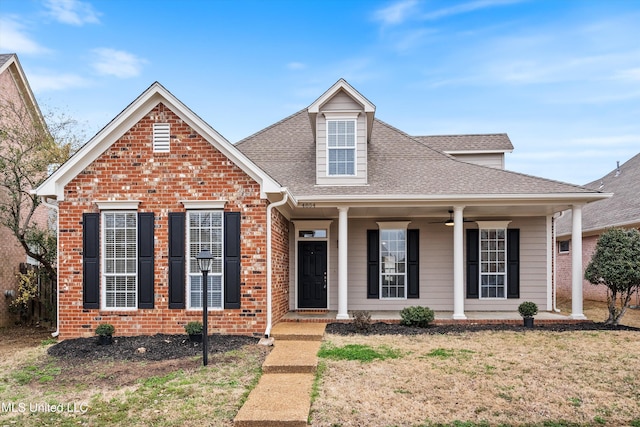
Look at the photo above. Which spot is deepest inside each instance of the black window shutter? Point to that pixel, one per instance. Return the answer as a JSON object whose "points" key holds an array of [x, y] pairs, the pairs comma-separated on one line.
{"points": [[413, 263], [513, 263], [91, 260], [145, 259], [177, 262], [373, 264], [232, 260], [473, 263]]}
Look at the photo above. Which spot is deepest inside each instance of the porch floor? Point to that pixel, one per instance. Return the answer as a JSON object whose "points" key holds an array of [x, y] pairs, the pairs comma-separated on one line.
{"points": [[441, 317]]}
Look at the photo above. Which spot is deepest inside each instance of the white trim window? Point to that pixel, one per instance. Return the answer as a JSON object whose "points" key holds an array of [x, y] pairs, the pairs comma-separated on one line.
{"points": [[120, 261], [341, 147], [205, 231], [493, 263], [393, 263]]}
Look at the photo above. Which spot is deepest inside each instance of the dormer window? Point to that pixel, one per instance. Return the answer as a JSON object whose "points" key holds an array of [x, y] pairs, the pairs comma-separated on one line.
{"points": [[341, 146]]}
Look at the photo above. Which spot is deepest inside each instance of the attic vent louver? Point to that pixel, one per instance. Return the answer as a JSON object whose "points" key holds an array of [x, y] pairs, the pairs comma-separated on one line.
{"points": [[161, 137]]}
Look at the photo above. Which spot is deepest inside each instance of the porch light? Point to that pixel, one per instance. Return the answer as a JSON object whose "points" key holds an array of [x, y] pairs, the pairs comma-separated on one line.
{"points": [[204, 263], [449, 222]]}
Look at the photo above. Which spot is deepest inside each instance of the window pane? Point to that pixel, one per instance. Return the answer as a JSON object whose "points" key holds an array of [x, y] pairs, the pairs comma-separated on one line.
{"points": [[492, 263], [120, 260], [205, 232], [393, 263]]}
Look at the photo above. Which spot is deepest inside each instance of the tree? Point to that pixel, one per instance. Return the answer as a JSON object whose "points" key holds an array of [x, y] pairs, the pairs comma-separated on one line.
{"points": [[616, 265], [30, 144]]}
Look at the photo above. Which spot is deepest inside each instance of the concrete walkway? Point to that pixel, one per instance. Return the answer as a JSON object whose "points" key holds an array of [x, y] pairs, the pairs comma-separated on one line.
{"points": [[283, 394]]}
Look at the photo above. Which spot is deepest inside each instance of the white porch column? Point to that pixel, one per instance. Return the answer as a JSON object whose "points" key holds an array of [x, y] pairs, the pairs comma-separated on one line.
{"points": [[576, 263], [343, 260], [458, 263]]}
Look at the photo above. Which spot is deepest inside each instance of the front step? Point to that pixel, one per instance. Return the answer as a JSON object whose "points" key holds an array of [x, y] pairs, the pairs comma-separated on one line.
{"points": [[292, 357], [277, 400], [287, 331]]}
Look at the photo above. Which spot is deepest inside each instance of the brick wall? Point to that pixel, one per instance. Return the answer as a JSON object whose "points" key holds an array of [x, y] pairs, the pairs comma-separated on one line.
{"points": [[590, 292], [193, 170], [280, 265]]}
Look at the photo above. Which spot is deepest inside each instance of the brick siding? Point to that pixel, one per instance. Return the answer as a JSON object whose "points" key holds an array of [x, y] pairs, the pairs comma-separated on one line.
{"points": [[193, 170], [564, 275]]}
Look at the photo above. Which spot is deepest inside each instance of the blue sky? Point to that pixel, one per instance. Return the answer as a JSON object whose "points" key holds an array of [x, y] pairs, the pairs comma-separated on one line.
{"points": [[561, 77]]}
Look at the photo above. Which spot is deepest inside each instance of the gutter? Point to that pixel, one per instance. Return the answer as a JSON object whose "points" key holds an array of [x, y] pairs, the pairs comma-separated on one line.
{"points": [[285, 196], [55, 208]]}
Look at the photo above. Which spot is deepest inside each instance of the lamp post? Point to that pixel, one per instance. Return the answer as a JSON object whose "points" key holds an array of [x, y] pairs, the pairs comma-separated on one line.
{"points": [[204, 263]]}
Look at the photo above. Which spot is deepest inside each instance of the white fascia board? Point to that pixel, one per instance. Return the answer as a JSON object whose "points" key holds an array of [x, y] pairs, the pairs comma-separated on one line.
{"points": [[54, 185], [462, 198], [342, 84]]}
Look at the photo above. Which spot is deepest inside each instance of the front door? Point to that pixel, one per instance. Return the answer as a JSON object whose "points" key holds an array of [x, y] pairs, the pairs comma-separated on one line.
{"points": [[312, 274]]}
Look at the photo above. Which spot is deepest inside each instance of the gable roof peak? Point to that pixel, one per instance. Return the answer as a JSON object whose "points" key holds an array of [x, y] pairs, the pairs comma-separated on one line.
{"points": [[342, 85]]}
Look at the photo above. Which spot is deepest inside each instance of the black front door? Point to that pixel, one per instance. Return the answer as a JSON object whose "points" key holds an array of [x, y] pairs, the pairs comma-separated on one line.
{"points": [[312, 274]]}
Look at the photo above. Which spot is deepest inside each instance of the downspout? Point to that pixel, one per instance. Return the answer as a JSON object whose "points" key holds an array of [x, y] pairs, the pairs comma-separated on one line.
{"points": [[285, 196], [55, 208]]}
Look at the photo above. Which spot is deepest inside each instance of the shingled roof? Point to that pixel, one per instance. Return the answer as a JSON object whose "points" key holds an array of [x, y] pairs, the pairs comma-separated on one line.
{"points": [[398, 164], [4, 57], [622, 209], [468, 143]]}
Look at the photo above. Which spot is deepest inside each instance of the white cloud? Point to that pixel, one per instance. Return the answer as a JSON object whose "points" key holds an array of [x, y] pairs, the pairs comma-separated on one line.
{"points": [[395, 14], [632, 74], [73, 12], [14, 38], [118, 63], [51, 82], [296, 66], [466, 8]]}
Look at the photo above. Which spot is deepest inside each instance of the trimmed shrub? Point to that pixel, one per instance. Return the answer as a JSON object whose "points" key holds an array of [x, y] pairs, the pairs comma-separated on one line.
{"points": [[105, 329], [416, 316], [528, 309]]}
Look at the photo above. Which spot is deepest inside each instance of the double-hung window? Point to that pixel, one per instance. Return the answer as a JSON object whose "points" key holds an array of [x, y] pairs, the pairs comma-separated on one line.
{"points": [[493, 259], [341, 145], [205, 231], [120, 231], [393, 263]]}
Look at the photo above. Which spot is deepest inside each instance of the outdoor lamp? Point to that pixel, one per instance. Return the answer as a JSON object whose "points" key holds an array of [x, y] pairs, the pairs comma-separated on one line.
{"points": [[449, 222], [204, 263]]}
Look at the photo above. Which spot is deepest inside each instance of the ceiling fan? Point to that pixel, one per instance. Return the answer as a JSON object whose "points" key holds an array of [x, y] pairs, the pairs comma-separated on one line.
{"points": [[450, 222]]}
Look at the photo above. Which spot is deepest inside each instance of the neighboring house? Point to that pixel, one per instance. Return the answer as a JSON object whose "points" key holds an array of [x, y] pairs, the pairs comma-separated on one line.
{"points": [[328, 209], [621, 210], [15, 97]]}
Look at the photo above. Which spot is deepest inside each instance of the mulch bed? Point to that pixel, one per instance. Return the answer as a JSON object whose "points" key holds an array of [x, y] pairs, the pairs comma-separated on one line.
{"points": [[166, 347], [156, 347], [397, 329]]}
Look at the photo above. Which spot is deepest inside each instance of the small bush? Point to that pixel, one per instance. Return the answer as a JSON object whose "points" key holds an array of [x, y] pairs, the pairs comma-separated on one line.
{"points": [[361, 320], [105, 329], [193, 328], [416, 316], [528, 309]]}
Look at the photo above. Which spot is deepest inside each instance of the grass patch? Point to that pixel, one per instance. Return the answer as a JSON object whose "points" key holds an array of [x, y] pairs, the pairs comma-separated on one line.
{"points": [[360, 352], [31, 373], [449, 353]]}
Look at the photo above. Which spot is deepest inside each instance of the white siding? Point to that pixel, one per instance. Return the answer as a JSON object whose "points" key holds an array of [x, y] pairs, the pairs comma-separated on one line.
{"points": [[436, 268], [492, 160], [341, 102]]}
